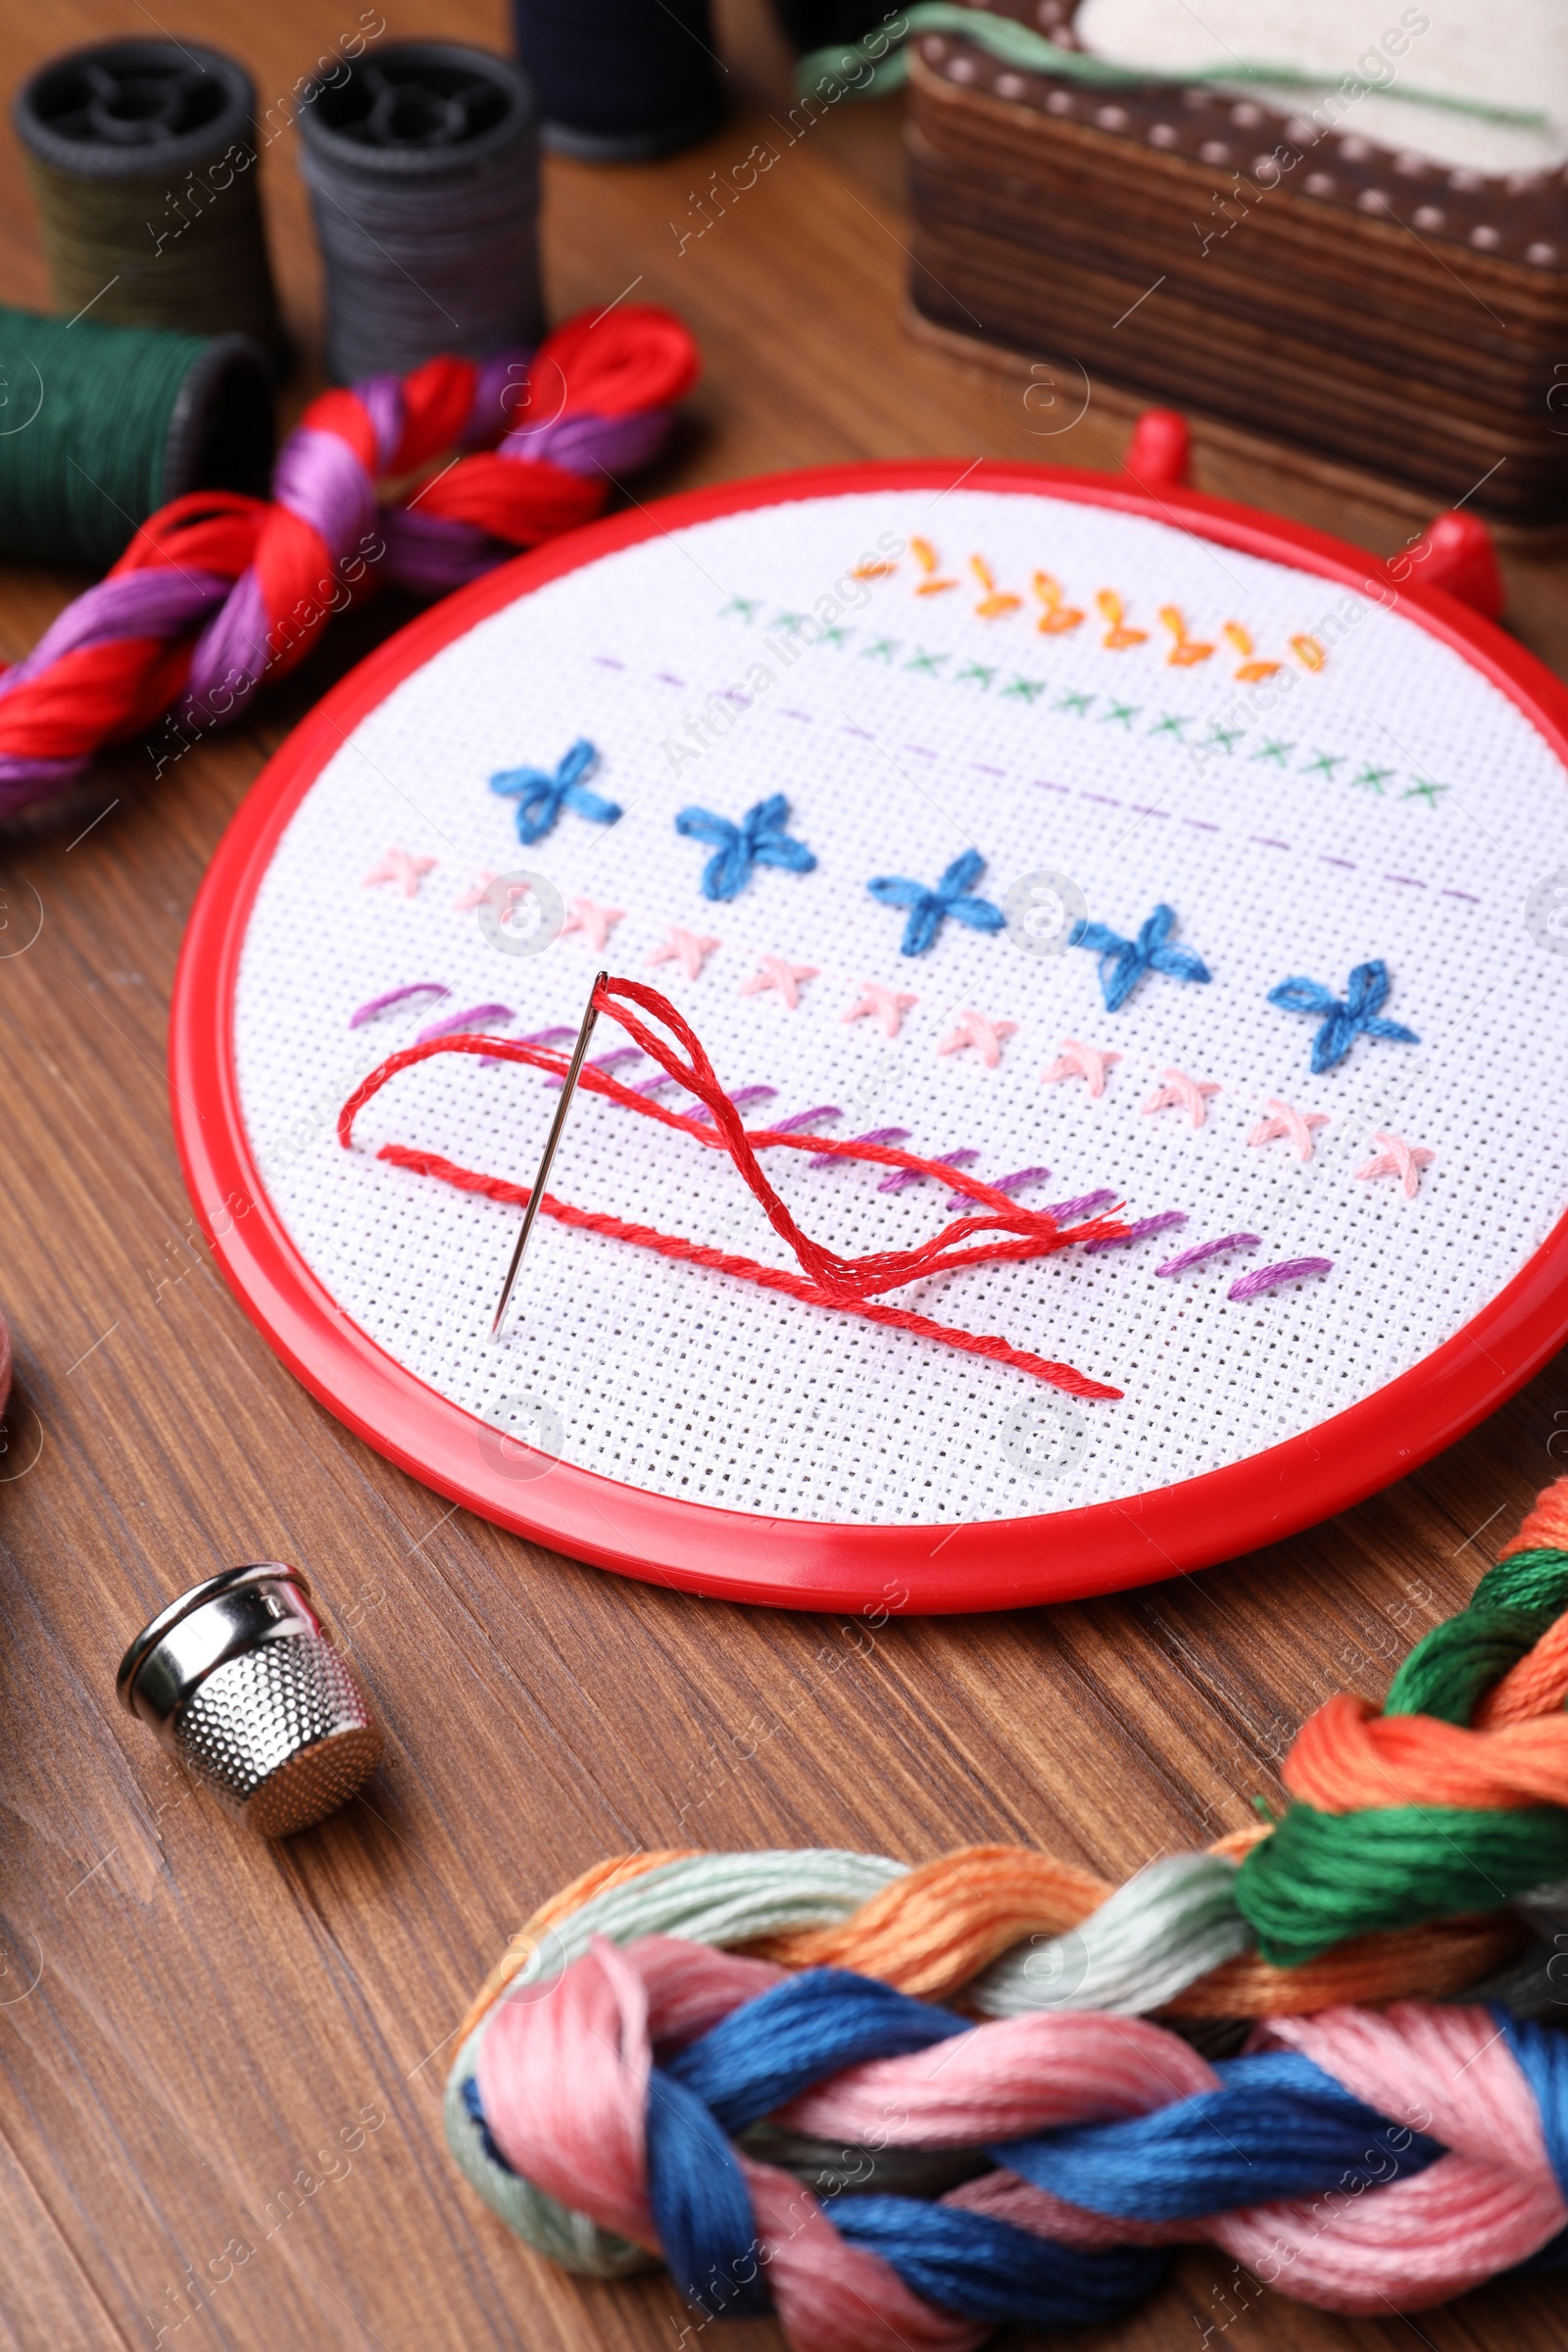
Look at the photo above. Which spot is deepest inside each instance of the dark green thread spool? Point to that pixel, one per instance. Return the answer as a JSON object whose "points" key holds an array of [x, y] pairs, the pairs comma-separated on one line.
{"points": [[142, 157], [101, 425]]}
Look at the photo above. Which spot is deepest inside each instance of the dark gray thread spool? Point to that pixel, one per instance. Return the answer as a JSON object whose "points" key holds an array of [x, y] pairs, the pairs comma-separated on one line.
{"points": [[142, 157], [423, 170]]}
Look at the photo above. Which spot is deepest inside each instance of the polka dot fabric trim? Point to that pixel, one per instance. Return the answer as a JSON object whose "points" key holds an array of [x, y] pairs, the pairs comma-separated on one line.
{"points": [[682, 1383]]}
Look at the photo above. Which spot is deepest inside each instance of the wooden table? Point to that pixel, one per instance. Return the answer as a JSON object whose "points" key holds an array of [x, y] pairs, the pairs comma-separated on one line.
{"points": [[223, 2061]]}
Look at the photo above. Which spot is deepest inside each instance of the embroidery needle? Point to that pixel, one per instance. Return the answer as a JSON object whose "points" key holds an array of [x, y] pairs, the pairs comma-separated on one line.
{"points": [[536, 1193]]}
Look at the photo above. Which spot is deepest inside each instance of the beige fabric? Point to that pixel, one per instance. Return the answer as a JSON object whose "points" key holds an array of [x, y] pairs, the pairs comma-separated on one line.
{"points": [[1508, 53]]}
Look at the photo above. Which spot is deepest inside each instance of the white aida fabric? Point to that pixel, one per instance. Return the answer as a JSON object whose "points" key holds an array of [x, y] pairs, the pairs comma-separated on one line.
{"points": [[1509, 53], [1390, 804]]}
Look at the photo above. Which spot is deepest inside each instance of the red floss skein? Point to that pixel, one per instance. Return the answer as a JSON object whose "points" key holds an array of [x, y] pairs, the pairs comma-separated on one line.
{"points": [[218, 591]]}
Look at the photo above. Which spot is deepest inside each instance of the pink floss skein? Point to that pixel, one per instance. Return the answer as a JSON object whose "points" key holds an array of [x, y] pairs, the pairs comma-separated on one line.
{"points": [[1006, 2081], [563, 2075]]}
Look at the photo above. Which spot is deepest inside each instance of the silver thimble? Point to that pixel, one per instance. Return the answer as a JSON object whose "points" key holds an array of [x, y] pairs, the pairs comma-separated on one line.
{"points": [[240, 1680]]}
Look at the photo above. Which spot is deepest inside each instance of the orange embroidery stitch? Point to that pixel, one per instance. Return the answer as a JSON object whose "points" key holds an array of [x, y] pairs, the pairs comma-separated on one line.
{"points": [[1250, 673], [925, 554], [1187, 651], [997, 601], [1118, 636], [1058, 616]]}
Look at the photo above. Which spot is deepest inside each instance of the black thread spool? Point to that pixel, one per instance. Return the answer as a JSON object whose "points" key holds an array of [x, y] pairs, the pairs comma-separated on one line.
{"points": [[423, 170], [619, 79], [142, 157], [815, 24]]}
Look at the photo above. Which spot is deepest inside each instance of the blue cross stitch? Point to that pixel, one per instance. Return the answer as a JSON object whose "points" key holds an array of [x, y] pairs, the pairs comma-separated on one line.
{"points": [[929, 908], [759, 839], [1123, 962], [1343, 1022], [541, 797]]}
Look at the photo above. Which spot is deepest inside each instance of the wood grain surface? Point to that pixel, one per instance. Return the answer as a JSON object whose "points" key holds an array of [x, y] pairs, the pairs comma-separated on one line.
{"points": [[220, 2061]]}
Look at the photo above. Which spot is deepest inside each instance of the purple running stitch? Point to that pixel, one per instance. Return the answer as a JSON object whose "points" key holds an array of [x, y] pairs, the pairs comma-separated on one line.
{"points": [[874, 1134], [1205, 1249], [1266, 1278], [963, 1158], [1139, 1232], [396, 996]]}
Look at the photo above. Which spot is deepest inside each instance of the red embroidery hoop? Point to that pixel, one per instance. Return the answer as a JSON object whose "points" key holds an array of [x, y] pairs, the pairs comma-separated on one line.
{"points": [[808, 1564]]}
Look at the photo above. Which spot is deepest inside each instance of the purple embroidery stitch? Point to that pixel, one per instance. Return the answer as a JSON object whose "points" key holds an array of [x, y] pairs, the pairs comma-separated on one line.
{"points": [[478, 1016], [742, 1098], [654, 1085], [396, 996], [604, 1062], [805, 1122], [963, 1158], [1204, 1250], [874, 1134], [1014, 1183], [1084, 1206], [548, 1037], [1139, 1232], [1289, 1269]]}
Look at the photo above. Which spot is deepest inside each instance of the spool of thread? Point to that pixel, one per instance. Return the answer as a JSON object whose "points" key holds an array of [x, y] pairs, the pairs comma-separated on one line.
{"points": [[142, 157], [101, 425], [619, 79], [423, 170]]}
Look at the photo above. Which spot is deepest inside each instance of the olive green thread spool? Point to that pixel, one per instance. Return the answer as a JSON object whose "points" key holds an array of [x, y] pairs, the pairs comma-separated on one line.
{"points": [[101, 425], [142, 159]]}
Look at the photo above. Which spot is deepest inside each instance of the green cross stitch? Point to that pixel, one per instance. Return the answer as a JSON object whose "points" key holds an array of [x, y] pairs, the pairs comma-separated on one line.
{"points": [[791, 623], [1426, 791], [835, 636], [1275, 752], [976, 670], [1074, 701], [1323, 765], [929, 663], [882, 651], [1028, 690], [1125, 711], [1230, 737], [1171, 725], [746, 607], [1375, 777]]}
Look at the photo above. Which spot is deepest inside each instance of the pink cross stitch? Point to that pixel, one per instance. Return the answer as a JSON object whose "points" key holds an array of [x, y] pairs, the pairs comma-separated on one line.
{"points": [[1181, 1093], [1286, 1123], [688, 949], [1398, 1158], [588, 917], [973, 1029], [467, 900], [886, 1004], [1078, 1060], [398, 866], [774, 972]]}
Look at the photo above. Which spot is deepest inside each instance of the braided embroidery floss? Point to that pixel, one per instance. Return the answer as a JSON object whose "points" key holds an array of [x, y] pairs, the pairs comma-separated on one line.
{"points": [[103, 424], [218, 591], [143, 160], [423, 170], [751, 2065]]}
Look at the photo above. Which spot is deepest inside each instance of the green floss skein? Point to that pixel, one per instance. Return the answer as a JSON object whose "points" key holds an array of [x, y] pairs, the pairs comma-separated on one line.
{"points": [[1321, 1877], [100, 426]]}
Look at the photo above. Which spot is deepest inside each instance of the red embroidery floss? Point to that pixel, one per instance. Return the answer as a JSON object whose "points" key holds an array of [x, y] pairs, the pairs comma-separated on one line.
{"points": [[1000, 1229]]}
